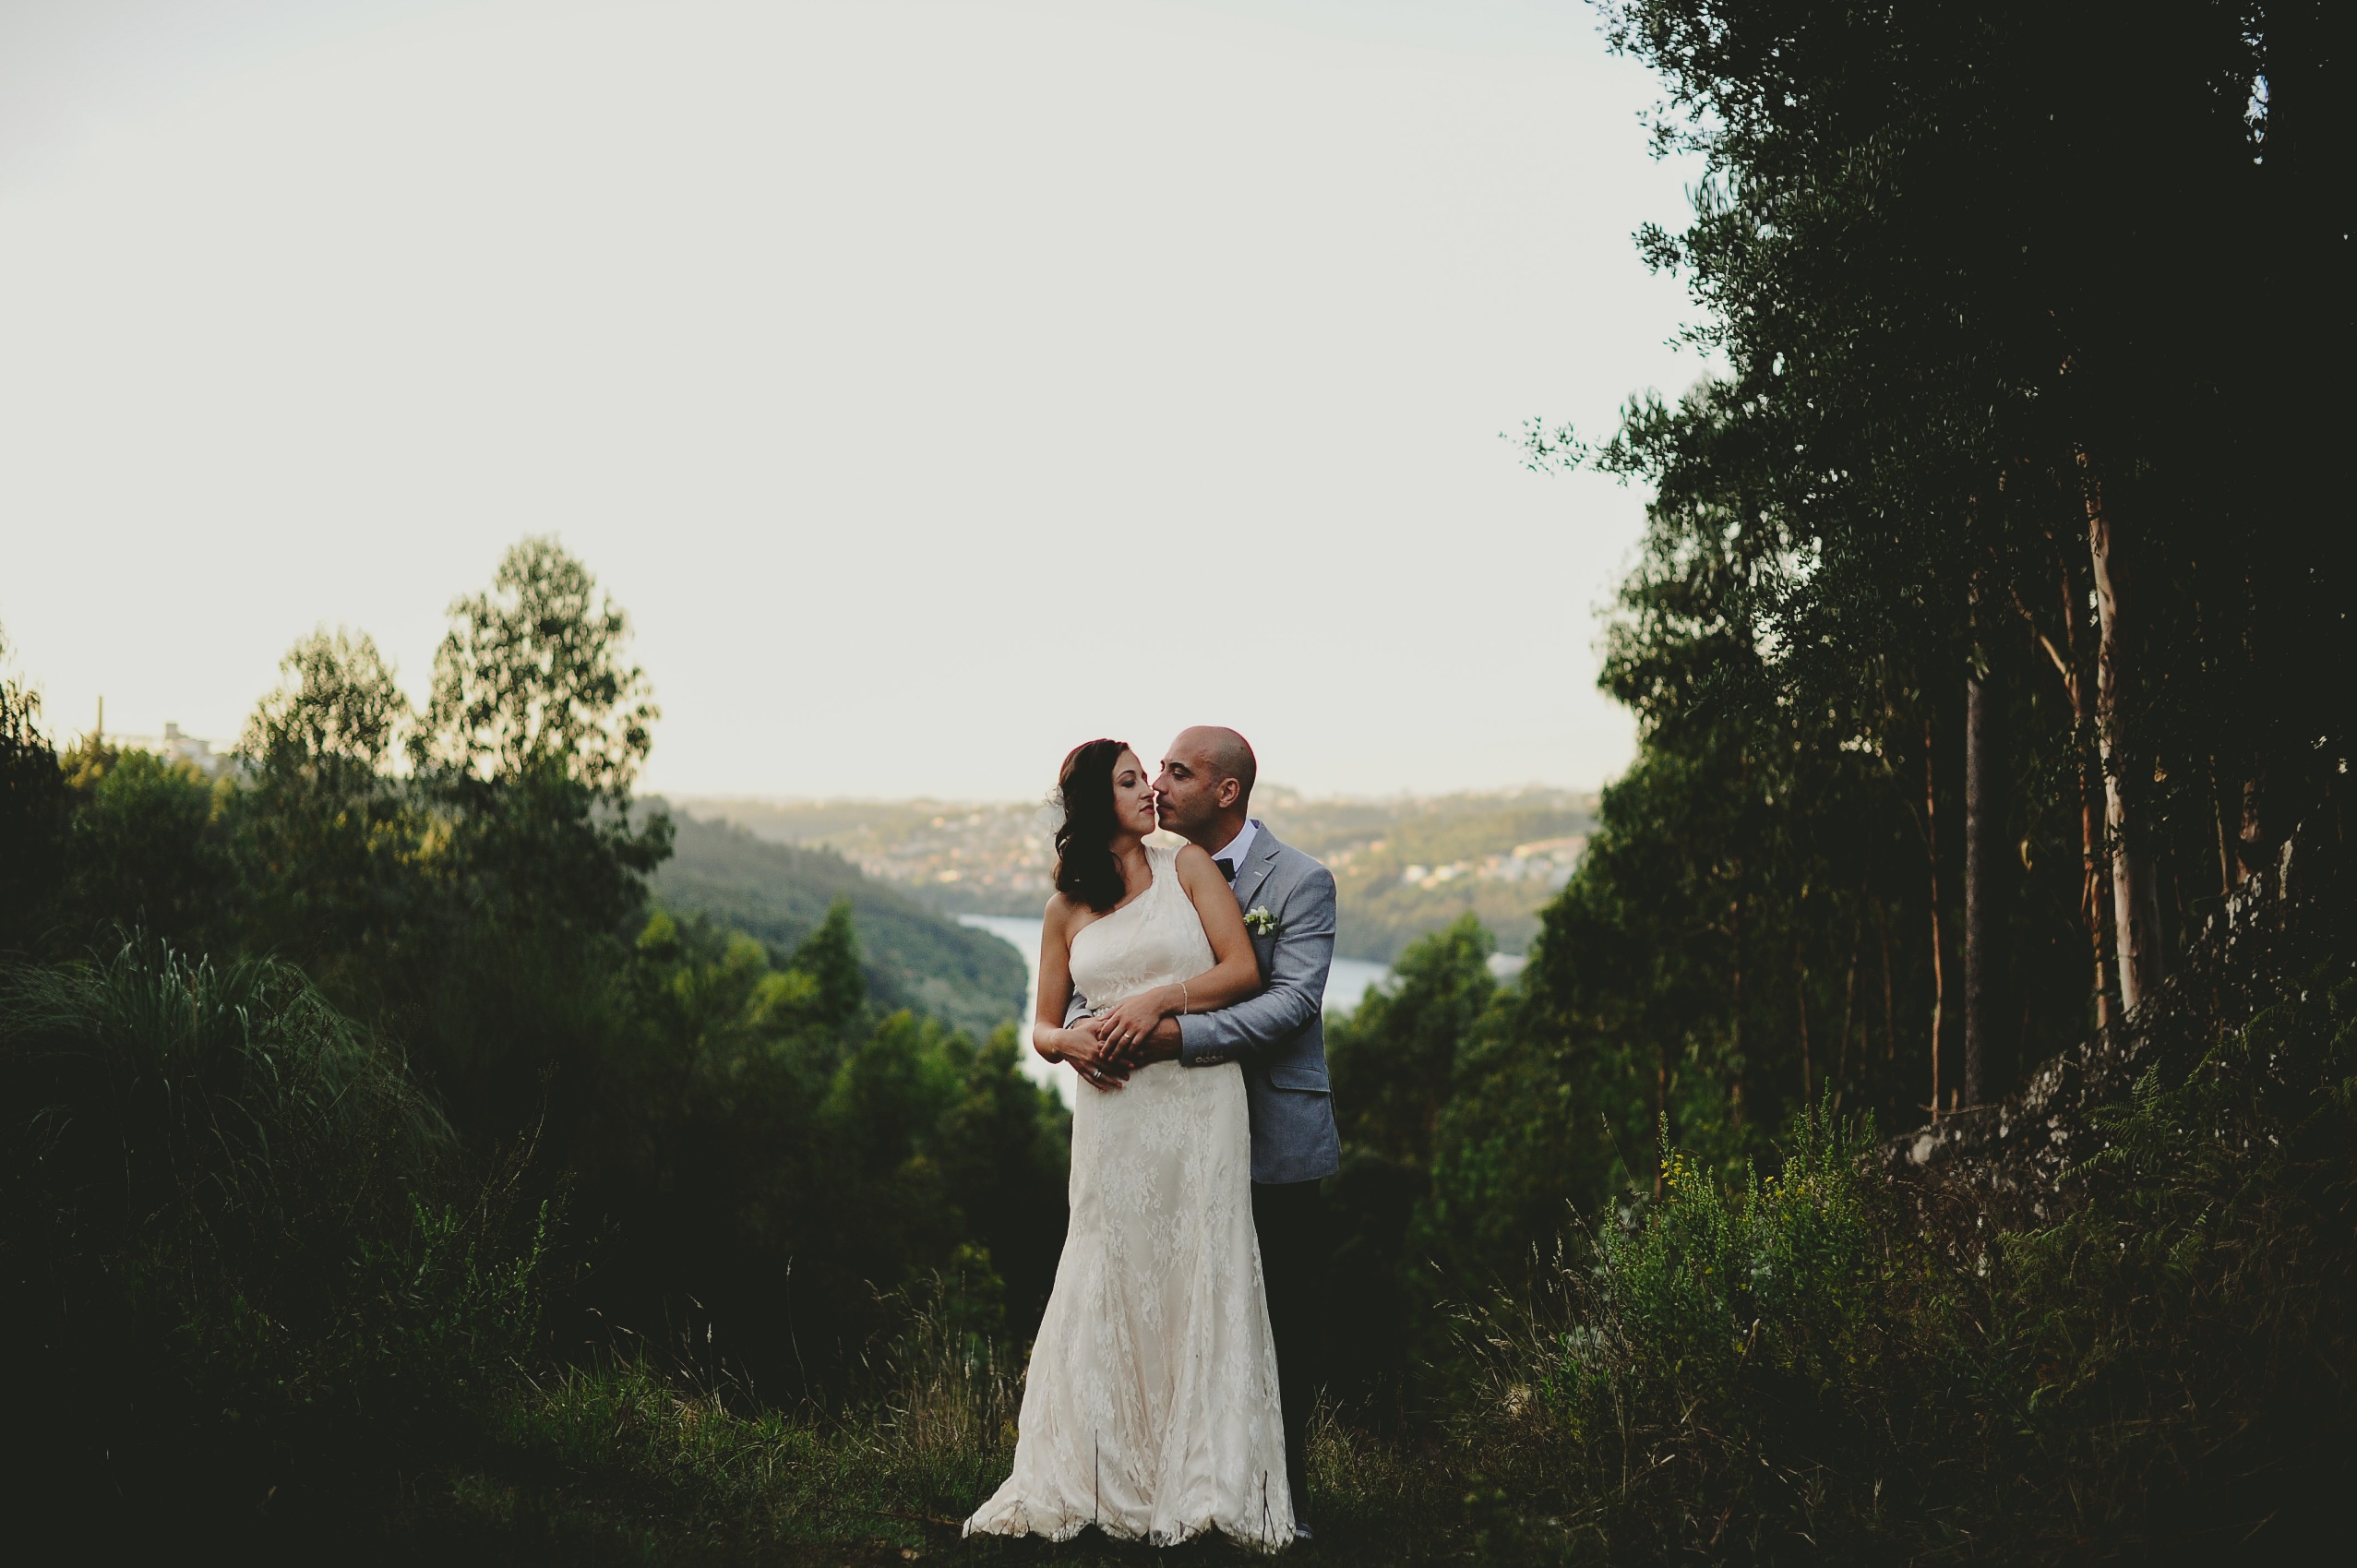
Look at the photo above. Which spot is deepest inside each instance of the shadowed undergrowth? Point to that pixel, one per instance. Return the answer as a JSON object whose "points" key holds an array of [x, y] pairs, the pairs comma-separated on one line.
{"points": [[279, 1314]]}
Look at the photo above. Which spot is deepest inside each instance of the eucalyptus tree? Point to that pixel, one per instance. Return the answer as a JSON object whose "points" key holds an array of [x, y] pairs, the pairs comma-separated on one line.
{"points": [[1993, 284]]}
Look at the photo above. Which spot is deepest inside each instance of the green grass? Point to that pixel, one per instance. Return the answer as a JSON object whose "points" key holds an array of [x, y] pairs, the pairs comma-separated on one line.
{"points": [[617, 1465]]}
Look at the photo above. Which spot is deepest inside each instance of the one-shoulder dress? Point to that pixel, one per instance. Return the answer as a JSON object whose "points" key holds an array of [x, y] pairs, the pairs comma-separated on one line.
{"points": [[1149, 1408]]}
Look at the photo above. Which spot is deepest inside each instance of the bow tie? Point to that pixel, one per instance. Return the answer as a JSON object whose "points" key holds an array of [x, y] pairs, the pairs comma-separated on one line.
{"points": [[1226, 868]]}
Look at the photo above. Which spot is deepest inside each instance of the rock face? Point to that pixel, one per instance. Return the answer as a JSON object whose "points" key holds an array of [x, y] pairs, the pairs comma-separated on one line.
{"points": [[2011, 1166]]}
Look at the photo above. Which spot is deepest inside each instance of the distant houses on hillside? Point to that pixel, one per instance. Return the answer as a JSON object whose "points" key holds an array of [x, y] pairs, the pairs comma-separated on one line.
{"points": [[1547, 862]]}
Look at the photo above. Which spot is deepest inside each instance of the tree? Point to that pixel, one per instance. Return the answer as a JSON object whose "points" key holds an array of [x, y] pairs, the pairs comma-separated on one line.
{"points": [[33, 813], [1943, 401], [829, 955], [322, 831], [531, 676]]}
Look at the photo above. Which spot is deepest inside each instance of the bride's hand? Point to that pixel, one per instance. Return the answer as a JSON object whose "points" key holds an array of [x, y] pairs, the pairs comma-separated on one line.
{"points": [[1127, 1022], [1081, 1047]]}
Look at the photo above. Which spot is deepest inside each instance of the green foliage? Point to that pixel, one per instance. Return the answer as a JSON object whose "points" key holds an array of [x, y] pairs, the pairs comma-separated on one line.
{"points": [[829, 955], [2181, 1343], [336, 723], [143, 850], [1725, 1372], [1933, 388], [771, 1155], [783, 895], [1395, 1057], [314, 1258], [1811, 1365], [243, 1237], [323, 839], [1400, 1246], [532, 677], [32, 812]]}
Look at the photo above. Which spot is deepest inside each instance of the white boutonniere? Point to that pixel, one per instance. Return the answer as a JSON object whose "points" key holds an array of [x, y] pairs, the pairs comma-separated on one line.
{"points": [[1259, 921]]}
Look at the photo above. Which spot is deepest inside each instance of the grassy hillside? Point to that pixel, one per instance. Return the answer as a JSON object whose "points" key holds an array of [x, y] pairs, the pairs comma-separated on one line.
{"points": [[779, 892]]}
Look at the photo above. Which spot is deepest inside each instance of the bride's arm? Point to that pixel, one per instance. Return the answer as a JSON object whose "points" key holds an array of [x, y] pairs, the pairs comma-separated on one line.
{"points": [[1235, 975], [1048, 1036]]}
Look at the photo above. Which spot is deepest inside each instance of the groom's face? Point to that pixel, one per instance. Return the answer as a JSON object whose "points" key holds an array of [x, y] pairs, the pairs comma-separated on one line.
{"points": [[1188, 793]]}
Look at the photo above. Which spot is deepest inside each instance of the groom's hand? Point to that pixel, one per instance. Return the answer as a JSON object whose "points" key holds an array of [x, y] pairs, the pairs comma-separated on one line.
{"points": [[1159, 1043]]}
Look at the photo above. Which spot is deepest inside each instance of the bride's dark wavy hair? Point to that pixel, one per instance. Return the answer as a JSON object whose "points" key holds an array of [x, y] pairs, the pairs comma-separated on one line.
{"points": [[1085, 869]]}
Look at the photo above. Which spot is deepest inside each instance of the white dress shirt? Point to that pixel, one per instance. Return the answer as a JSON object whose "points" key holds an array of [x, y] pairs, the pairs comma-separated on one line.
{"points": [[1234, 853]]}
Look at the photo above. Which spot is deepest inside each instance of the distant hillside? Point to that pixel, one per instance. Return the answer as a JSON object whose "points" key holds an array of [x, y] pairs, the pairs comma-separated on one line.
{"points": [[780, 893], [963, 857], [1408, 865], [1405, 864]]}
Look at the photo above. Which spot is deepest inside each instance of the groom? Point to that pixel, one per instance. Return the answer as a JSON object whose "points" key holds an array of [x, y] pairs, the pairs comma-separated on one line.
{"points": [[1204, 793]]}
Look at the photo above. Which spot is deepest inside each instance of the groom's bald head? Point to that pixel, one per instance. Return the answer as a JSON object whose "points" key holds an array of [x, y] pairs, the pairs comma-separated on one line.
{"points": [[1225, 754], [1205, 787]]}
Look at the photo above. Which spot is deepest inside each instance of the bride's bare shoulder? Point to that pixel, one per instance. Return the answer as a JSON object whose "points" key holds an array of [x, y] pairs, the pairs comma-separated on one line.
{"points": [[1195, 863]]}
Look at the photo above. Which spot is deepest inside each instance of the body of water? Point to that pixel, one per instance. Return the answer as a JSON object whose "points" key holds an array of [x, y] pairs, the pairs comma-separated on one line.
{"points": [[1347, 983]]}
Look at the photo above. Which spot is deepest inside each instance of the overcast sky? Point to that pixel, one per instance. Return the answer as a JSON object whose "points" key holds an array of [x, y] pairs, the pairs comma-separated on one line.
{"points": [[936, 384]]}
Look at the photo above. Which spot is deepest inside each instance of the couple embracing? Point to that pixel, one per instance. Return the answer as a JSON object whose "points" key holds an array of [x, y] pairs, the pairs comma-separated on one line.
{"points": [[1169, 1387]]}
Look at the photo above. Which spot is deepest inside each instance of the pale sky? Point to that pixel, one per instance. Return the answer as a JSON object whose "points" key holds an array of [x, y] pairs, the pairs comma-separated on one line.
{"points": [[938, 385]]}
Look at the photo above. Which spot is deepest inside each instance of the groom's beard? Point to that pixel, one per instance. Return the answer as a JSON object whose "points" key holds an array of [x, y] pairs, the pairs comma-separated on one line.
{"points": [[1192, 835]]}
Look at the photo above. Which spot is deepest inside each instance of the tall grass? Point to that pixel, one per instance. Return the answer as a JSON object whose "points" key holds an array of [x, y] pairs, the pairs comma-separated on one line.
{"points": [[243, 1239], [637, 1459]]}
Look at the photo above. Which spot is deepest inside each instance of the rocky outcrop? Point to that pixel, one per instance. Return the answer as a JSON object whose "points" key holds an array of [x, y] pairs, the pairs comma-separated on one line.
{"points": [[2012, 1165]]}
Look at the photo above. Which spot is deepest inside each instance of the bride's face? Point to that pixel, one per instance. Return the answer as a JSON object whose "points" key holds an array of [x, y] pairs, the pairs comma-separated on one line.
{"points": [[1132, 794]]}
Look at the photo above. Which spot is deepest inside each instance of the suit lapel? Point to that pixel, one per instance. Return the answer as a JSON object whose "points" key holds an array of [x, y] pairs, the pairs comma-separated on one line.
{"points": [[1258, 860]]}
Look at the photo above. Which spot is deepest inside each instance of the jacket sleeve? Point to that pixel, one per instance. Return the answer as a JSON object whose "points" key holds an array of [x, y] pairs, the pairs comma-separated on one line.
{"points": [[1296, 989]]}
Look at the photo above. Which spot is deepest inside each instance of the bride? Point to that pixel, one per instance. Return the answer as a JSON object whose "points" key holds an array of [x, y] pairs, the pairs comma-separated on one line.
{"points": [[1151, 1408]]}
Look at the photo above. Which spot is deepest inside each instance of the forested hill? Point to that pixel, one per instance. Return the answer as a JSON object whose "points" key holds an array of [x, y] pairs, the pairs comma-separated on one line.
{"points": [[780, 893]]}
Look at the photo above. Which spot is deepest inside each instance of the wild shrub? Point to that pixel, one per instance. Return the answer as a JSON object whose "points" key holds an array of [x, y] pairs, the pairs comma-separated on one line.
{"points": [[2181, 1349], [1712, 1372], [1807, 1367], [242, 1237]]}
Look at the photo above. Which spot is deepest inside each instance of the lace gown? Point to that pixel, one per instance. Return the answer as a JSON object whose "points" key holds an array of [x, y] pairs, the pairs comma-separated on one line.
{"points": [[1151, 1406]]}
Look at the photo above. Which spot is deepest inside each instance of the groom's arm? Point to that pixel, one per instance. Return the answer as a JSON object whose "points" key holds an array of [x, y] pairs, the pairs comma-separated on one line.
{"points": [[1296, 989]]}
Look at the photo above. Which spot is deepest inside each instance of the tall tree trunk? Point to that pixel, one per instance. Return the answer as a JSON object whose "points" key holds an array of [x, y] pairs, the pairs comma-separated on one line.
{"points": [[1939, 968], [2134, 908], [2090, 837], [2251, 848], [1982, 820], [1850, 1018], [1890, 996], [1735, 1041], [1800, 994], [2225, 836]]}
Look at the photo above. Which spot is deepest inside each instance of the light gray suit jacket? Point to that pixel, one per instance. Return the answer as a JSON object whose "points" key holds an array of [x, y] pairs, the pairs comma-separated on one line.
{"points": [[1280, 1034]]}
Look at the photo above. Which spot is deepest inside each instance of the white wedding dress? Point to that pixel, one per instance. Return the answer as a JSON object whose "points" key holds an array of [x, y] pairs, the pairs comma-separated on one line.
{"points": [[1151, 1406]]}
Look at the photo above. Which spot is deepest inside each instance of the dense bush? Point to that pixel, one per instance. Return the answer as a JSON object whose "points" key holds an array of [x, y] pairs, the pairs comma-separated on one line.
{"points": [[1815, 1364], [255, 1265]]}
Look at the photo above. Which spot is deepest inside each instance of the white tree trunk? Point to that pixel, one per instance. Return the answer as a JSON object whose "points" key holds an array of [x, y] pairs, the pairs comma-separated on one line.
{"points": [[2132, 911]]}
